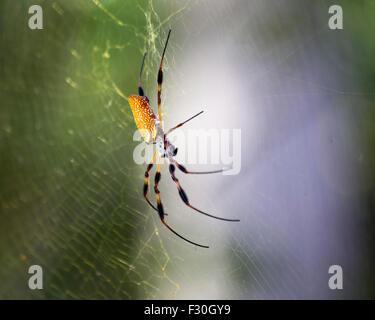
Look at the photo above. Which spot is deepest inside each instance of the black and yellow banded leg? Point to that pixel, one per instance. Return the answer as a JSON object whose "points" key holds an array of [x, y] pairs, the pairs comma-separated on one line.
{"points": [[185, 199], [160, 77], [184, 170], [140, 89], [161, 209], [157, 192], [145, 186], [182, 123]]}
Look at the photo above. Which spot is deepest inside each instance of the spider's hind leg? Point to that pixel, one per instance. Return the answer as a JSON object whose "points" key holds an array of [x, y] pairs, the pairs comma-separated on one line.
{"points": [[161, 209], [185, 199], [145, 185]]}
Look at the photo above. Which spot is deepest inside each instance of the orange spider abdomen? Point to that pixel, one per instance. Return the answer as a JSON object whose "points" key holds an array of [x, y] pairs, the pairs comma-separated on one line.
{"points": [[144, 117]]}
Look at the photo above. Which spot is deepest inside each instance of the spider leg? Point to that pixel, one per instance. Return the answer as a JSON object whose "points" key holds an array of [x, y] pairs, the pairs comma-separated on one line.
{"points": [[185, 199], [160, 76], [161, 210], [182, 123], [184, 170], [140, 89], [145, 186]]}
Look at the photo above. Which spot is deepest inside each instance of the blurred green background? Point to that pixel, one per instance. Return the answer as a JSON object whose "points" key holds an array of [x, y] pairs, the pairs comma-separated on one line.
{"points": [[70, 192]]}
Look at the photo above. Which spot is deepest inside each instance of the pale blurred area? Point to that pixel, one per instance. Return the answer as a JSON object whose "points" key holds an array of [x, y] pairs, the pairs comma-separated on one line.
{"points": [[270, 69]]}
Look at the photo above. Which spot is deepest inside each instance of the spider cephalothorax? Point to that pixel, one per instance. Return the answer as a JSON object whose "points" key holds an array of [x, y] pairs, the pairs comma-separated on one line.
{"points": [[151, 130]]}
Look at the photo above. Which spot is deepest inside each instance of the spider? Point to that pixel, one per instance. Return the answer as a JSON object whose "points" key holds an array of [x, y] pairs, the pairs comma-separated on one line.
{"points": [[151, 130]]}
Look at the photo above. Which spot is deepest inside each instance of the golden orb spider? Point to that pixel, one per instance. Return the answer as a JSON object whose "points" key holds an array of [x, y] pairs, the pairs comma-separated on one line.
{"points": [[151, 130]]}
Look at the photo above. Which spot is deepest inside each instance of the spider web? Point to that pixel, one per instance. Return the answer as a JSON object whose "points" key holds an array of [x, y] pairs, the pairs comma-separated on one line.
{"points": [[71, 194]]}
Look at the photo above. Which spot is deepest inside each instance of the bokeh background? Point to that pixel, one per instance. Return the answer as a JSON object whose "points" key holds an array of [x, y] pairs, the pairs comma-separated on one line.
{"points": [[71, 195]]}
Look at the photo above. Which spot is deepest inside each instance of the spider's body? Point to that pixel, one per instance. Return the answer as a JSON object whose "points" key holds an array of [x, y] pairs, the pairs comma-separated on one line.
{"points": [[144, 117], [149, 126], [152, 132]]}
